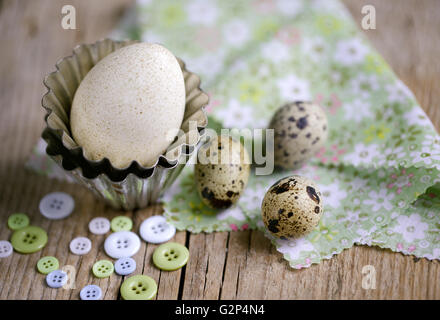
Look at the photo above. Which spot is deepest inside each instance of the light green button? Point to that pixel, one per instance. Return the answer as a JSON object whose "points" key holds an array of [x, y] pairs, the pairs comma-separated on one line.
{"points": [[47, 264], [121, 223], [29, 239], [103, 269], [18, 221], [138, 287], [170, 256]]}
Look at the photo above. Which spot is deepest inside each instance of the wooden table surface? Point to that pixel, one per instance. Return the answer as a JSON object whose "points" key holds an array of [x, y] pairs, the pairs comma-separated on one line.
{"points": [[234, 265]]}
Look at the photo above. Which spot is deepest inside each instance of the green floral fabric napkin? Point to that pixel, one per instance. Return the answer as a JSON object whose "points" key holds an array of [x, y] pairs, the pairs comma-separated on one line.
{"points": [[379, 172]]}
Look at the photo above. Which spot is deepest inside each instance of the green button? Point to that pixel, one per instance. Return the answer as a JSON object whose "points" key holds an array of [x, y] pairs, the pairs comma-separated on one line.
{"points": [[18, 221], [170, 256], [121, 223], [138, 287], [47, 264], [29, 239], [103, 269]]}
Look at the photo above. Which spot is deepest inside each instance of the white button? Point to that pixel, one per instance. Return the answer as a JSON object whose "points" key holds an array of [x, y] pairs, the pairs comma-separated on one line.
{"points": [[125, 266], [90, 292], [5, 249], [156, 229], [99, 225], [80, 245], [57, 205], [56, 279], [122, 244]]}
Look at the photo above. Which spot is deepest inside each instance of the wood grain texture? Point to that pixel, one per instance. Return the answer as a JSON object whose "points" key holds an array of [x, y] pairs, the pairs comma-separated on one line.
{"points": [[235, 265]]}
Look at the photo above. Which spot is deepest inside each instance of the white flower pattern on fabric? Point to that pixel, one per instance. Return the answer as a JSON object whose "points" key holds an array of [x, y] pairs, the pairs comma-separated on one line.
{"points": [[333, 194], [202, 12], [235, 115], [293, 88], [350, 52], [364, 86], [380, 199], [417, 117], [211, 61], [391, 156], [234, 212], [435, 254], [357, 110], [362, 154], [315, 48], [275, 51], [425, 156], [289, 8], [398, 92], [236, 32], [253, 197], [411, 228], [294, 247]]}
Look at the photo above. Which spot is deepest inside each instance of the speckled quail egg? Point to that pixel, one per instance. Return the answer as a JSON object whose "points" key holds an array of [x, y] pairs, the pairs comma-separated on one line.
{"points": [[292, 207], [300, 131], [221, 172]]}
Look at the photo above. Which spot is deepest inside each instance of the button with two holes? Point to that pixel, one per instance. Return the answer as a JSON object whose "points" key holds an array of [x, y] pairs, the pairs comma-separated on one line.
{"points": [[47, 264], [139, 287], [56, 279], [103, 269], [170, 256], [18, 221], [90, 292], [29, 239]]}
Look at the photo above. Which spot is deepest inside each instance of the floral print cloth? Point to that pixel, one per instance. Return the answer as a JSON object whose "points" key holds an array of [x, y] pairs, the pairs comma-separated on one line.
{"points": [[379, 172]]}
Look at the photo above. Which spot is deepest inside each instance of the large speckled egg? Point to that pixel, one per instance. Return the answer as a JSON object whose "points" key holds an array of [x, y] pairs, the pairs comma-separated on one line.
{"points": [[128, 105], [300, 131], [292, 207], [222, 171]]}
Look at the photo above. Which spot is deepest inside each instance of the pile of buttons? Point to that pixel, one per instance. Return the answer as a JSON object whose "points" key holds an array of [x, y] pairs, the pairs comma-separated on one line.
{"points": [[121, 244]]}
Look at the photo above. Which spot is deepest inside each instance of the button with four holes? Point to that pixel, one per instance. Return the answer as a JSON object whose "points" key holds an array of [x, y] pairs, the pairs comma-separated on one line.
{"points": [[156, 229], [103, 269], [56, 279], [18, 221], [56, 205], [90, 292], [99, 225], [80, 245], [47, 264], [170, 256], [5, 249], [29, 239], [139, 287], [121, 223], [122, 244], [125, 266]]}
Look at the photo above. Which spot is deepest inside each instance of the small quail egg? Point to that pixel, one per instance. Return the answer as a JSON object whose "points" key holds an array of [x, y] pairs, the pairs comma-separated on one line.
{"points": [[292, 207], [300, 131], [222, 172]]}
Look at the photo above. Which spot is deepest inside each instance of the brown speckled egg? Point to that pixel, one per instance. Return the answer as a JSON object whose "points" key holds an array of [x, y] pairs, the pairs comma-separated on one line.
{"points": [[292, 207], [221, 172], [300, 131]]}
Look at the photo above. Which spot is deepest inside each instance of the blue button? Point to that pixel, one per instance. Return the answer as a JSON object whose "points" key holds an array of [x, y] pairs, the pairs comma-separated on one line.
{"points": [[125, 266], [56, 279], [90, 292]]}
